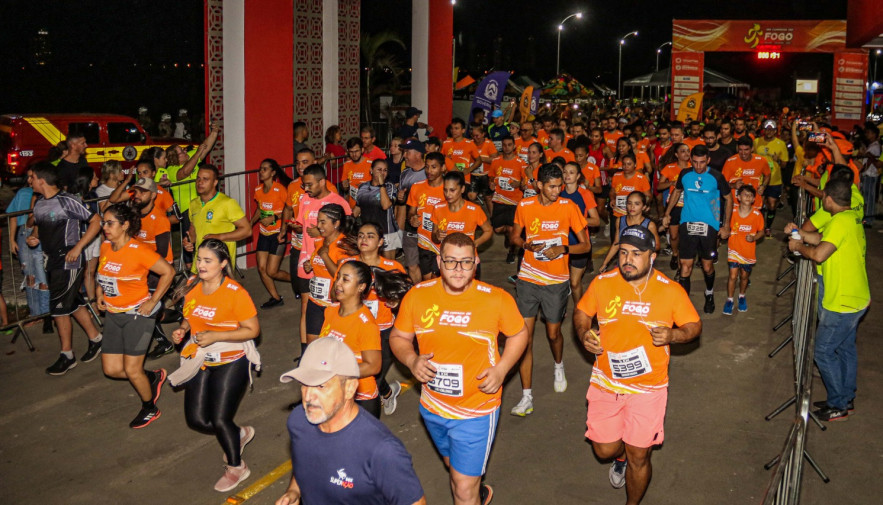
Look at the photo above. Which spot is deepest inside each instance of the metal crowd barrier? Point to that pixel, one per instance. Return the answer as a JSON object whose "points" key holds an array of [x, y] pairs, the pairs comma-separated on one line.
{"points": [[334, 172], [785, 483]]}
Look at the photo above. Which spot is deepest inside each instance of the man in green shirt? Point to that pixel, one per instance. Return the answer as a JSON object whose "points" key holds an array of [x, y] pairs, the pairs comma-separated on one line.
{"points": [[839, 248]]}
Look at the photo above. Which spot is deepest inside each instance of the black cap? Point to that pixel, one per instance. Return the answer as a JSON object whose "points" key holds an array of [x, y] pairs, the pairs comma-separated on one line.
{"points": [[413, 111], [639, 237], [415, 145]]}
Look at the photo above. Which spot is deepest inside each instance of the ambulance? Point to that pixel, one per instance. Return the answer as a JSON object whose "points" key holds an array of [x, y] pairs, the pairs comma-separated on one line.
{"points": [[26, 139]]}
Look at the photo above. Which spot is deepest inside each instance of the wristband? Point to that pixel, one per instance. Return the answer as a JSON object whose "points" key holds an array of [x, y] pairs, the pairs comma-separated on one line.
{"points": [[566, 249]]}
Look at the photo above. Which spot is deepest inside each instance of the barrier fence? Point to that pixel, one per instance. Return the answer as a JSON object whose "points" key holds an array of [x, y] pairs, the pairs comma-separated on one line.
{"points": [[334, 173], [785, 483]]}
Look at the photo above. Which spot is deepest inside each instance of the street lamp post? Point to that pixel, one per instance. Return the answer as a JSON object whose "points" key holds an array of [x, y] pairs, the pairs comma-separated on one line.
{"points": [[577, 15], [658, 52], [876, 62], [619, 77]]}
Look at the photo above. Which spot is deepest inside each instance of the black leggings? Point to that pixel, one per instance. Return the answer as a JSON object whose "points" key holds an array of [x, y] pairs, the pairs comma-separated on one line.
{"points": [[372, 406], [211, 399], [386, 359]]}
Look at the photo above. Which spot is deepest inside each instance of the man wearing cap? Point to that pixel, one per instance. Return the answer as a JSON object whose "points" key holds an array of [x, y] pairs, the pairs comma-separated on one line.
{"points": [[413, 151], [637, 308], [182, 126], [776, 153], [412, 123], [339, 452], [498, 129], [146, 122]]}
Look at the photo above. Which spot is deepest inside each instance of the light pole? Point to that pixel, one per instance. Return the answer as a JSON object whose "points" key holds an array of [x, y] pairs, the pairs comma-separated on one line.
{"points": [[876, 62], [658, 52], [619, 73], [577, 15]]}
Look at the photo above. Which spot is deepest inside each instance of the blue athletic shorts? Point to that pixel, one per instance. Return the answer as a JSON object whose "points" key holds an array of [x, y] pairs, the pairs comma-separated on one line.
{"points": [[467, 442], [744, 266]]}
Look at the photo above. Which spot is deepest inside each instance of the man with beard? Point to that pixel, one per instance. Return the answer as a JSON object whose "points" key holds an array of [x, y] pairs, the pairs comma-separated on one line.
{"points": [[339, 452], [716, 156], [637, 308], [726, 140]]}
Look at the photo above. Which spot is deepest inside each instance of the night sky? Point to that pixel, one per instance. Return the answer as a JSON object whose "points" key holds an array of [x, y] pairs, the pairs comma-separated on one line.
{"points": [[128, 42]]}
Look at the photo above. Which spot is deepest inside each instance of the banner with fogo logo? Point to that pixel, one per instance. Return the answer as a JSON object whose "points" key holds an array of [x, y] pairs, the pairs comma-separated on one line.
{"points": [[489, 93]]}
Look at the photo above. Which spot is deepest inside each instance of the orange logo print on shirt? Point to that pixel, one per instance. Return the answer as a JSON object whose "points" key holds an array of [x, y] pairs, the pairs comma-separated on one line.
{"points": [[430, 316]]}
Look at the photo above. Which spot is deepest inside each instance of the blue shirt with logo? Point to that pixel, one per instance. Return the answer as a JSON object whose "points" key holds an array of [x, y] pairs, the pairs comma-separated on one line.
{"points": [[703, 194]]}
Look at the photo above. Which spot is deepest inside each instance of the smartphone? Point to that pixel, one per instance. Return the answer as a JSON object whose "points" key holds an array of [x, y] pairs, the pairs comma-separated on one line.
{"points": [[804, 126], [817, 137]]}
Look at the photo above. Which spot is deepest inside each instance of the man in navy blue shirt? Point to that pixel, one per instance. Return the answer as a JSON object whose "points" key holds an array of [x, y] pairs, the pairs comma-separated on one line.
{"points": [[703, 219], [339, 452]]}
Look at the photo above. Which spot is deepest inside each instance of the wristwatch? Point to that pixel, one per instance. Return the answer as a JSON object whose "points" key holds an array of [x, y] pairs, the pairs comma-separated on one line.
{"points": [[566, 249]]}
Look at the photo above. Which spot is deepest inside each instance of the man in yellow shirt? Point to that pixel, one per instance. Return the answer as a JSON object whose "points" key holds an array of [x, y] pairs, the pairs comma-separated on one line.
{"points": [[776, 153]]}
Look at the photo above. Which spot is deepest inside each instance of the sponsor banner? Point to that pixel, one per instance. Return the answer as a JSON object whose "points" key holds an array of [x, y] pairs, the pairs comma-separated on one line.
{"points": [[745, 35], [490, 92], [848, 101], [691, 108], [687, 73], [535, 101], [524, 103]]}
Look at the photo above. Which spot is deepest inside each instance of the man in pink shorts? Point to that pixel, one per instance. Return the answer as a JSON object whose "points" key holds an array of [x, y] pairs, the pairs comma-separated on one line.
{"points": [[637, 307]]}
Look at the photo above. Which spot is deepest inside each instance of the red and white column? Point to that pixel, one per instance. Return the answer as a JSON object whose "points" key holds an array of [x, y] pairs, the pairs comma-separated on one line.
{"points": [[432, 60]]}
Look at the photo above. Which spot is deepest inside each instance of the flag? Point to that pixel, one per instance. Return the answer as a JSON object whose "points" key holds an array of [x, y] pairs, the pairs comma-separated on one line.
{"points": [[524, 103], [690, 108], [535, 102], [462, 83], [490, 92]]}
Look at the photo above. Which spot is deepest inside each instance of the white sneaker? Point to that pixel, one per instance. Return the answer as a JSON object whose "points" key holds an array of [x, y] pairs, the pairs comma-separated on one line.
{"points": [[389, 404], [524, 407], [233, 475], [560, 380], [617, 473]]}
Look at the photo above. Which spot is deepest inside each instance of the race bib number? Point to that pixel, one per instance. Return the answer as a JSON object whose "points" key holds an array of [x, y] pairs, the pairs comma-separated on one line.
{"points": [[523, 157], [505, 184], [620, 201], [297, 240], [427, 222], [541, 254], [530, 192], [372, 306], [320, 288], [498, 144], [697, 229], [108, 285], [354, 190], [625, 365], [448, 380]]}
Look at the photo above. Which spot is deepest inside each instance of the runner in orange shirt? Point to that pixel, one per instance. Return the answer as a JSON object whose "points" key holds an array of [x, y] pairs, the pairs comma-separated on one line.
{"points": [[337, 240], [676, 132], [147, 170], [544, 276], [508, 175], [524, 140], [536, 157], [694, 138], [591, 172], [458, 215], [637, 308], [740, 130], [643, 161], [422, 198], [460, 154], [624, 183], [544, 132], [480, 186], [356, 171], [611, 133], [270, 199], [556, 146], [585, 200], [668, 177], [222, 323], [122, 292], [746, 227], [747, 168], [457, 321], [350, 321]]}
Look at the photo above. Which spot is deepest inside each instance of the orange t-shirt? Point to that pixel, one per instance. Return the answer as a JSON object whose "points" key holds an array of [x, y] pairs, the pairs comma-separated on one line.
{"points": [[543, 138], [153, 224], [360, 333], [461, 332], [424, 198], [294, 193], [644, 145], [379, 309], [163, 200], [122, 275], [642, 162], [591, 172], [522, 146], [465, 220], [671, 172], [630, 362], [507, 176], [356, 174], [271, 203], [610, 138], [755, 171], [486, 149], [741, 250], [622, 187], [320, 283], [564, 153], [693, 142], [549, 225], [460, 155], [222, 310]]}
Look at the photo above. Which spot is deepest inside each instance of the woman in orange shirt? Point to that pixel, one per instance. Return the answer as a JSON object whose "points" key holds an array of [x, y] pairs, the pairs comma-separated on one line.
{"points": [[222, 322], [336, 241], [121, 289], [536, 158], [270, 197]]}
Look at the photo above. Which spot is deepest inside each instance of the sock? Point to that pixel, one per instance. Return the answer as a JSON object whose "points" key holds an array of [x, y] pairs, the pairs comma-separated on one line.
{"points": [[709, 282], [741, 296], [68, 354], [147, 405], [730, 298], [559, 366], [620, 459], [770, 215], [97, 339], [685, 283], [303, 347], [709, 292], [527, 392]]}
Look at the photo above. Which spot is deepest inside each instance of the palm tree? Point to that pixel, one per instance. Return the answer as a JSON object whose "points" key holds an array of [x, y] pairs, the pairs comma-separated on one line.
{"points": [[378, 59]]}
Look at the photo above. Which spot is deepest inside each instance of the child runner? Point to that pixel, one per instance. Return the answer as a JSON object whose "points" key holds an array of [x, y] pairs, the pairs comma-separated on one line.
{"points": [[747, 223]]}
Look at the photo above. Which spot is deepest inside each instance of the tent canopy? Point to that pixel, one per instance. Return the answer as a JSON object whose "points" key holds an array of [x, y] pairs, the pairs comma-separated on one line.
{"points": [[713, 78], [565, 86]]}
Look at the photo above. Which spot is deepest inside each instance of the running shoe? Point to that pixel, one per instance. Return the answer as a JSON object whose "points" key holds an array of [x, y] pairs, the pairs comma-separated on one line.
{"points": [[824, 403], [560, 384], [524, 407], [62, 365], [485, 494], [92, 352], [246, 434], [510, 258], [831, 414], [162, 348], [617, 473], [743, 304], [666, 251], [512, 279], [709, 304], [768, 232], [390, 402], [145, 416], [272, 302], [233, 475], [673, 264], [728, 307], [159, 377]]}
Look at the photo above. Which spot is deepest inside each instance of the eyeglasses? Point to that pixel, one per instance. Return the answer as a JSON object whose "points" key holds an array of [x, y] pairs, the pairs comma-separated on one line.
{"points": [[109, 221], [466, 265]]}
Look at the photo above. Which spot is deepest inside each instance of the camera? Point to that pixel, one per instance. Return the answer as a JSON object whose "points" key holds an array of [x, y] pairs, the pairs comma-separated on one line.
{"points": [[817, 137]]}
